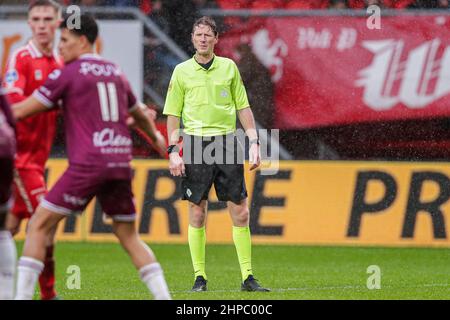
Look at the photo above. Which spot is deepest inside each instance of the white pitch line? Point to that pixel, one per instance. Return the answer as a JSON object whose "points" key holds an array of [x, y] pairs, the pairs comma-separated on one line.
{"points": [[325, 288]]}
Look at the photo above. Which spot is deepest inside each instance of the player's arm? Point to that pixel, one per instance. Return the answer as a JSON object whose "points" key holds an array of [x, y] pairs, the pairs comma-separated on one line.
{"points": [[248, 123], [149, 113], [173, 129], [144, 123], [45, 97], [27, 108], [173, 109], [246, 118], [15, 79]]}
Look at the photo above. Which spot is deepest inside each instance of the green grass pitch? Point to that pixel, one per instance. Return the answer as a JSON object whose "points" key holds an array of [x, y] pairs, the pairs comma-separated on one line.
{"points": [[292, 272]]}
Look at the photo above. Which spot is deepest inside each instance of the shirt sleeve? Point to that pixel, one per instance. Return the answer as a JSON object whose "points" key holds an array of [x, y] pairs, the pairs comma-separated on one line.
{"points": [[175, 96], [238, 90], [53, 89], [15, 79]]}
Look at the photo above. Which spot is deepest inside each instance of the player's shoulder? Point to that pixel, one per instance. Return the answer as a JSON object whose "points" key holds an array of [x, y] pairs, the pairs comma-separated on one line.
{"points": [[184, 66], [20, 56], [225, 60]]}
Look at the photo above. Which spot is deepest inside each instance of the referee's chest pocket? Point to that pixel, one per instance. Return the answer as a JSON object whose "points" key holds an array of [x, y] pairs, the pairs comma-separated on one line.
{"points": [[197, 93], [222, 93]]}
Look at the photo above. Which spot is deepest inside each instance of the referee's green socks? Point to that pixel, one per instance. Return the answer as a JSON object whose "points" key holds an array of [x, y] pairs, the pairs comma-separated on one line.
{"points": [[197, 244], [243, 244]]}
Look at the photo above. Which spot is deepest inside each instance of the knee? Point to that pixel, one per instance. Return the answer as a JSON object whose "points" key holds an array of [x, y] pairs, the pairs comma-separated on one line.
{"points": [[242, 216], [197, 216], [34, 226], [39, 224]]}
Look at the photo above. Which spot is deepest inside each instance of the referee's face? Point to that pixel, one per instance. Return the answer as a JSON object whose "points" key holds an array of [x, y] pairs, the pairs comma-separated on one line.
{"points": [[204, 40]]}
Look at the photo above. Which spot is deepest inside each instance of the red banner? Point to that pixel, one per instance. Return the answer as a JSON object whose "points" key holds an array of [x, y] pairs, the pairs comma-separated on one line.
{"points": [[335, 70]]}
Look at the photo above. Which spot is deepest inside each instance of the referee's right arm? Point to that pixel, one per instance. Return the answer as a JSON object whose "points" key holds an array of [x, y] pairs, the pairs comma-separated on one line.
{"points": [[173, 109], [173, 129]]}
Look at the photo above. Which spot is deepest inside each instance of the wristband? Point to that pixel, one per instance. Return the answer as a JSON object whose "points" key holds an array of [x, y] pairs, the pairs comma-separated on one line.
{"points": [[254, 141], [172, 148]]}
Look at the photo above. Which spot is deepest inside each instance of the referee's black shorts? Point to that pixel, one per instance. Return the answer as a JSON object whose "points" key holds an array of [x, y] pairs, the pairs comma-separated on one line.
{"points": [[217, 160]]}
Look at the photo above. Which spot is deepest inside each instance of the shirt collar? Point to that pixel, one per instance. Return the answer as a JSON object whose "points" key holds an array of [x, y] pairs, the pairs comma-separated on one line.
{"points": [[39, 54], [90, 56], [36, 52], [197, 66]]}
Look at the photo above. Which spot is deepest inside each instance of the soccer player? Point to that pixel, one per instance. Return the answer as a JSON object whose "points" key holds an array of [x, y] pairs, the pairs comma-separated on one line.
{"points": [[27, 69], [97, 100], [207, 92], [8, 253]]}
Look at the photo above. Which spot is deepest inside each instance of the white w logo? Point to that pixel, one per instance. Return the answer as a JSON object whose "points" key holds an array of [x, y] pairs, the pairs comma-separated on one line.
{"points": [[416, 82]]}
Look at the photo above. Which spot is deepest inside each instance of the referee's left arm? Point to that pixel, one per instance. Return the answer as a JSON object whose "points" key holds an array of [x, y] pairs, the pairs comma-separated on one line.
{"points": [[246, 118], [244, 112]]}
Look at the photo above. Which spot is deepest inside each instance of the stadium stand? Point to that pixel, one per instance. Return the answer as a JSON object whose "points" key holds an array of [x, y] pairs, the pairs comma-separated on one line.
{"points": [[403, 139]]}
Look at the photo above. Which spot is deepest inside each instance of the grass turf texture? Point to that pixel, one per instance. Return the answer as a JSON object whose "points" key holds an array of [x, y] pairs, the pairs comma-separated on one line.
{"points": [[292, 272]]}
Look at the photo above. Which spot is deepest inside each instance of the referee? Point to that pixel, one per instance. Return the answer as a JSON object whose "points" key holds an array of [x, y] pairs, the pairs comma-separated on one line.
{"points": [[207, 92]]}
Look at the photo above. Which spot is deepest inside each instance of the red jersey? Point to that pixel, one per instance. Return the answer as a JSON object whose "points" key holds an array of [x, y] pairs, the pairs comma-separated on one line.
{"points": [[27, 70]]}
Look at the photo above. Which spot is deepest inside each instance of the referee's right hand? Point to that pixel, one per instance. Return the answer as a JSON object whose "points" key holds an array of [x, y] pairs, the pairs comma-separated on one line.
{"points": [[176, 165]]}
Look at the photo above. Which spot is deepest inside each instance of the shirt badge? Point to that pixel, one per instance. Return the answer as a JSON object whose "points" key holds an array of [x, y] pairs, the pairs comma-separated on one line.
{"points": [[11, 76], [38, 75]]}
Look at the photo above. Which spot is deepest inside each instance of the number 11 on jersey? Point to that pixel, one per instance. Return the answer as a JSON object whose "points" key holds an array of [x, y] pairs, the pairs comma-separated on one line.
{"points": [[109, 107]]}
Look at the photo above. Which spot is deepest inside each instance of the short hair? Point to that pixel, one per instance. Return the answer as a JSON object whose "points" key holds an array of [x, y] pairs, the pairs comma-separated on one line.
{"points": [[206, 21], [45, 3], [88, 27]]}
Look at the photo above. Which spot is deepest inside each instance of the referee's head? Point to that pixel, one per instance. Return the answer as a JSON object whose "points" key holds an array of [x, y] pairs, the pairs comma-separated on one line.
{"points": [[205, 35]]}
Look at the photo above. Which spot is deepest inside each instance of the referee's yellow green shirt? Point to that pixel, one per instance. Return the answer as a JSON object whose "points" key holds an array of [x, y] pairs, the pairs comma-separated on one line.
{"points": [[206, 100]]}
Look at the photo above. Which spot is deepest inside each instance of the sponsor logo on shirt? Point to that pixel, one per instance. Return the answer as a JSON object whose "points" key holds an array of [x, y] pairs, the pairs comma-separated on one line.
{"points": [[99, 69], [74, 200], [108, 138]]}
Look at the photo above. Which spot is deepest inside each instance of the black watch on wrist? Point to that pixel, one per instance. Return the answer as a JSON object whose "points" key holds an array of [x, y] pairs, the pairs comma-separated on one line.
{"points": [[172, 148], [255, 141]]}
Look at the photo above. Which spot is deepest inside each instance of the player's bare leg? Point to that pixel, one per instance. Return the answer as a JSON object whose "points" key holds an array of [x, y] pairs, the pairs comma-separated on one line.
{"points": [[197, 243], [47, 277], [31, 263], [143, 258], [8, 259], [242, 240], [13, 224]]}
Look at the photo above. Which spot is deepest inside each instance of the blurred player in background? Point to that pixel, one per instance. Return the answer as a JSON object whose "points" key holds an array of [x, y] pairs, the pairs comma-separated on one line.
{"points": [[27, 70], [8, 253], [97, 99]]}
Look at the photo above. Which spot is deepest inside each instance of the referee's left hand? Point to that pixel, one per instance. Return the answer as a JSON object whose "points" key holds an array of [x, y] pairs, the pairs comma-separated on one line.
{"points": [[254, 156]]}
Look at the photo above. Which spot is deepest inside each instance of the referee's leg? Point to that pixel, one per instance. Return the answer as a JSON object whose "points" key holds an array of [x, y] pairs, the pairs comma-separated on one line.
{"points": [[197, 242], [242, 240], [241, 235]]}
